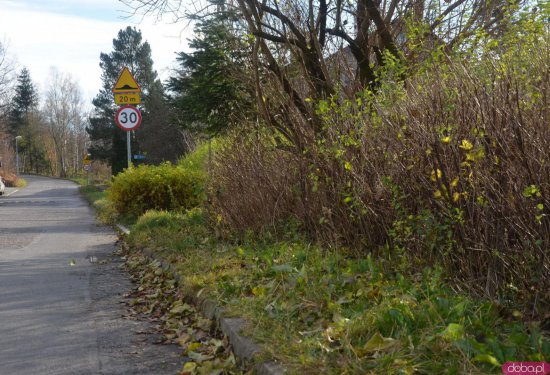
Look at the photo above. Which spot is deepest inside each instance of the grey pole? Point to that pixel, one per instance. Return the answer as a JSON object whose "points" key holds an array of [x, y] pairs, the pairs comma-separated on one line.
{"points": [[17, 155], [128, 146]]}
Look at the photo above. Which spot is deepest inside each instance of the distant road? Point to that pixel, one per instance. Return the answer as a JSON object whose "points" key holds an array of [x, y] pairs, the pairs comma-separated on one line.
{"points": [[60, 291]]}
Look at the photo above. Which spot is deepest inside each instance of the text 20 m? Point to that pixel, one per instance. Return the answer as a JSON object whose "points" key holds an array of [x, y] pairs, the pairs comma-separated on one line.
{"points": [[127, 99]]}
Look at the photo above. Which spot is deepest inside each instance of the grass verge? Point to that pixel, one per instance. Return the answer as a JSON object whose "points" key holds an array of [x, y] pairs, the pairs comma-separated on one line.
{"points": [[323, 311], [106, 212], [319, 310]]}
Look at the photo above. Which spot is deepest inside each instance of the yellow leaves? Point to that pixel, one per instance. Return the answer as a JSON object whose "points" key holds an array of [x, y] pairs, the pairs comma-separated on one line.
{"points": [[376, 343], [446, 140], [454, 331], [466, 145], [443, 191], [454, 182], [481, 201], [486, 358], [259, 291], [475, 155], [347, 166], [531, 191], [240, 251], [188, 368], [435, 175]]}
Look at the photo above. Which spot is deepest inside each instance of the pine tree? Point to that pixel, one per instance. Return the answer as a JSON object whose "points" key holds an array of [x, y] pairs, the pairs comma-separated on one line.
{"points": [[108, 141], [24, 122], [209, 92], [23, 103]]}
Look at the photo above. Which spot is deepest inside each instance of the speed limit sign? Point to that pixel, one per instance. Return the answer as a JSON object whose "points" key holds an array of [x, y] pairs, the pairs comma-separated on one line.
{"points": [[128, 118]]}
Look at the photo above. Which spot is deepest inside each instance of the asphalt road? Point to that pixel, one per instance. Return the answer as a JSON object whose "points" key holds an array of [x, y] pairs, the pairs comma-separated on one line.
{"points": [[62, 309]]}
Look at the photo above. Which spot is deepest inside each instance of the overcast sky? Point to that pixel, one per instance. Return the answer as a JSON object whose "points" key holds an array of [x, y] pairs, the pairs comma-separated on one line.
{"points": [[70, 35]]}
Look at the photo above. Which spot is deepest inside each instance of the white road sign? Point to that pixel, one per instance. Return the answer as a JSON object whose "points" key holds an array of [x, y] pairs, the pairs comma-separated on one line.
{"points": [[128, 118]]}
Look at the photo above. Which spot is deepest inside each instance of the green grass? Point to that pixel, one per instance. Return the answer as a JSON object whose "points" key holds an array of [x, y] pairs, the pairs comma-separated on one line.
{"points": [[324, 311], [83, 181], [104, 208], [319, 310], [92, 193]]}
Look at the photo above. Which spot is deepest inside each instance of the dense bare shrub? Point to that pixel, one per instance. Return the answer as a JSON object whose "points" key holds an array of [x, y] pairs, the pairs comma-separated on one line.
{"points": [[450, 168], [252, 182]]}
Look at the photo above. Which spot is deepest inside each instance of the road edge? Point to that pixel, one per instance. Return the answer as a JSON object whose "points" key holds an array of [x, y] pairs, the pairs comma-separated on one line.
{"points": [[243, 347]]}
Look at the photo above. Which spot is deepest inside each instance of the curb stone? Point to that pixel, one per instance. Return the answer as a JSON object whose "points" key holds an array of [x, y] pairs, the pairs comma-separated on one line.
{"points": [[243, 347]]}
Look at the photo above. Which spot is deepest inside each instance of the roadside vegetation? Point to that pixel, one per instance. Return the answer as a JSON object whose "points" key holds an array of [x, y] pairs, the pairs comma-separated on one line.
{"points": [[11, 180], [318, 308], [392, 221]]}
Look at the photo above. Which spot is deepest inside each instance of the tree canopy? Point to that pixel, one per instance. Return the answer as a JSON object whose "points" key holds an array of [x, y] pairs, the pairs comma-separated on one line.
{"points": [[208, 91], [108, 141]]}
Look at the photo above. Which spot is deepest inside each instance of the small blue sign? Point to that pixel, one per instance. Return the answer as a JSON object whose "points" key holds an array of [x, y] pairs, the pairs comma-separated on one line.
{"points": [[139, 157]]}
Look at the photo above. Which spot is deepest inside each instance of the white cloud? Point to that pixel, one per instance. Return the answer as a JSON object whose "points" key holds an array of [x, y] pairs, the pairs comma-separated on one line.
{"points": [[40, 39]]}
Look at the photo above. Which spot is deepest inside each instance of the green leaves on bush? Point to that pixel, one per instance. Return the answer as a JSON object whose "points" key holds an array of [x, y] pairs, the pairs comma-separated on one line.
{"points": [[163, 187]]}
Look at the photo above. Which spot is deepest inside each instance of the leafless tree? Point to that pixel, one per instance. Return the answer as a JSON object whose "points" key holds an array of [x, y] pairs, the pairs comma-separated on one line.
{"points": [[7, 69], [63, 115], [6, 85], [312, 49]]}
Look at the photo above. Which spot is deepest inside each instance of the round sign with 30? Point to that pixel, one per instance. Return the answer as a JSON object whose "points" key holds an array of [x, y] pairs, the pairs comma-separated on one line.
{"points": [[128, 118]]}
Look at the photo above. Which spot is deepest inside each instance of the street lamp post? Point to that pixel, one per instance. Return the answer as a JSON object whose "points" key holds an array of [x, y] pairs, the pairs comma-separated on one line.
{"points": [[17, 155]]}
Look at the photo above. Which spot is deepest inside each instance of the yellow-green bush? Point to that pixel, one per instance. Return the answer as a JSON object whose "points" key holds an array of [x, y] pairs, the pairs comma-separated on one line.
{"points": [[163, 187]]}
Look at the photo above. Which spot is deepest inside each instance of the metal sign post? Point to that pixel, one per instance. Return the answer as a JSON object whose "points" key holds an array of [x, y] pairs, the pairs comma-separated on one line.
{"points": [[128, 146], [128, 118]]}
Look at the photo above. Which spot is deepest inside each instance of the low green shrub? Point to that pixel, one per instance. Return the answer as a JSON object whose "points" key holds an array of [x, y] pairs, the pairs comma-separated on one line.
{"points": [[163, 187]]}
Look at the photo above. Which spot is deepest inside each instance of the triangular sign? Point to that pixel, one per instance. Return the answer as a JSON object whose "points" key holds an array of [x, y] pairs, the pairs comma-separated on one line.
{"points": [[126, 83]]}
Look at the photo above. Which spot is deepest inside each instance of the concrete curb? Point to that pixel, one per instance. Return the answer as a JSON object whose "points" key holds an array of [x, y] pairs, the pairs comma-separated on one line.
{"points": [[243, 347], [123, 229]]}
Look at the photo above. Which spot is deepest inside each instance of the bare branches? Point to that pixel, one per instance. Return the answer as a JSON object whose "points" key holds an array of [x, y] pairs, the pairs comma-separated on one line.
{"points": [[381, 28], [6, 76], [286, 20]]}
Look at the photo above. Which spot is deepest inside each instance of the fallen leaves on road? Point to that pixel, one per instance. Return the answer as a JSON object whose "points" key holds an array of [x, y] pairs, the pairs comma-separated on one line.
{"points": [[156, 298]]}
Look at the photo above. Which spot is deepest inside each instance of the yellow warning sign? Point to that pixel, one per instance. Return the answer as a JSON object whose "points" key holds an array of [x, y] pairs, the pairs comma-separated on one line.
{"points": [[126, 83]]}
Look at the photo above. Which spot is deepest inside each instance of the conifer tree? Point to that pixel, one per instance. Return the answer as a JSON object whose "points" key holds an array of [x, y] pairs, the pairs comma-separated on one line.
{"points": [[23, 103], [24, 122], [209, 92], [108, 141]]}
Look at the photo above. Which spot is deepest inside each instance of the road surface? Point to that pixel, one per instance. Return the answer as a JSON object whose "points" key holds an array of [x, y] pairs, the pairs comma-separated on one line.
{"points": [[61, 304]]}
